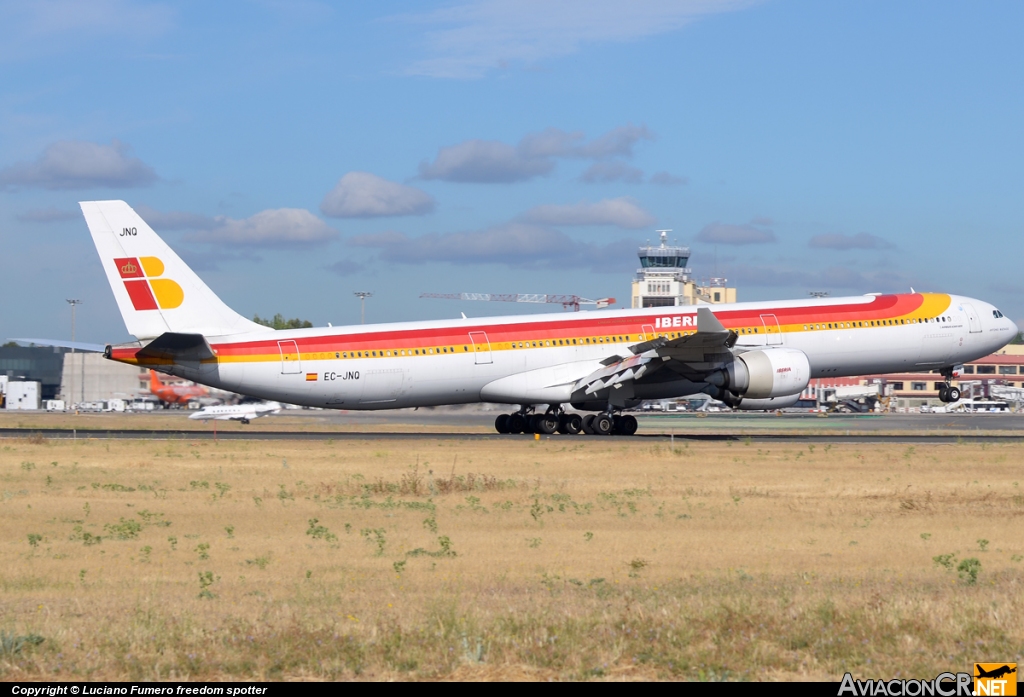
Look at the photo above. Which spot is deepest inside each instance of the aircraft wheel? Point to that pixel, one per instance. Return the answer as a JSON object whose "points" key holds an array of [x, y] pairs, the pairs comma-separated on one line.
{"points": [[944, 394], [516, 423], [245, 422], [546, 424], [953, 394], [603, 425], [501, 423], [588, 424], [570, 424], [627, 425], [532, 423]]}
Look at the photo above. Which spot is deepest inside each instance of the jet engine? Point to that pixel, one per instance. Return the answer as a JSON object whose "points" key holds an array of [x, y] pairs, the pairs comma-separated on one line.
{"points": [[761, 377], [747, 404]]}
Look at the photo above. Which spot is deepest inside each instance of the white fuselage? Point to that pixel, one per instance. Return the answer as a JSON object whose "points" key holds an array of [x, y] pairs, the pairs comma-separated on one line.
{"points": [[452, 362]]}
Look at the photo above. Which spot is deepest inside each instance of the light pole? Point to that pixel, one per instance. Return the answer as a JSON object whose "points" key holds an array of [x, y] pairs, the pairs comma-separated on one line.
{"points": [[362, 295], [71, 374]]}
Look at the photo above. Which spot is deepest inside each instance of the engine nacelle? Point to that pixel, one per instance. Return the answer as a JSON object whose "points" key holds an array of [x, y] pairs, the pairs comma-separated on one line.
{"points": [[746, 404], [765, 374]]}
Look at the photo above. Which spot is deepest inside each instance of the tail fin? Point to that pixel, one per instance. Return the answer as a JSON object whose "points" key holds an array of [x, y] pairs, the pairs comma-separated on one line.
{"points": [[154, 382], [155, 290]]}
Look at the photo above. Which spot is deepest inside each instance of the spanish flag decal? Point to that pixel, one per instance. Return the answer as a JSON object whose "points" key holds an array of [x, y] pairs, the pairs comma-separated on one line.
{"points": [[147, 291], [310, 377]]}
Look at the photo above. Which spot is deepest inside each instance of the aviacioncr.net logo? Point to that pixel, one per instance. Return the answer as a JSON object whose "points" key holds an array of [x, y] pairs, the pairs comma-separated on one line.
{"points": [[943, 685], [141, 276]]}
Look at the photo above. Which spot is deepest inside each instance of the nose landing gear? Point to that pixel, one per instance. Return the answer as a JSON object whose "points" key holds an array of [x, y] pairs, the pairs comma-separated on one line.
{"points": [[947, 392]]}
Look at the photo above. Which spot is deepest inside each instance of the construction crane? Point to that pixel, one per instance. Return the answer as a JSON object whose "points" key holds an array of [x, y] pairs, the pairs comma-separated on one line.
{"points": [[566, 301]]}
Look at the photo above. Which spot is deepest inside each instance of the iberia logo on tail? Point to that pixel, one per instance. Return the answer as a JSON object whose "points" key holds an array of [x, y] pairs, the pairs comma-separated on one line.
{"points": [[145, 288]]}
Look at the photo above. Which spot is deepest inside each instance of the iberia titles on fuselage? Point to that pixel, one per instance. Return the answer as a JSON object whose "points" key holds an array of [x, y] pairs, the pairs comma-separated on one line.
{"points": [[753, 355]]}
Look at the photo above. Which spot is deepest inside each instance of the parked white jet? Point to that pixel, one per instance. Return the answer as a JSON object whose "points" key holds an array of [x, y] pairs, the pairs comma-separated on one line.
{"points": [[236, 412], [756, 355]]}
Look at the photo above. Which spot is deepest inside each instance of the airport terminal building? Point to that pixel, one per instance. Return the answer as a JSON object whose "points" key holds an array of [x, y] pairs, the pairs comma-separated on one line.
{"points": [[911, 391], [72, 377]]}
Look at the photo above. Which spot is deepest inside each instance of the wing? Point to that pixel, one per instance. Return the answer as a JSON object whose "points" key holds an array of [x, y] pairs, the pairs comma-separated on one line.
{"points": [[691, 356]]}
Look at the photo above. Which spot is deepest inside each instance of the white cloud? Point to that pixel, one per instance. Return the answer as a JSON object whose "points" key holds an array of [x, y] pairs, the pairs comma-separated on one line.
{"points": [[725, 233], [516, 245], [49, 26], [491, 161], [345, 267], [470, 39], [47, 215], [175, 220], [621, 212], [365, 195], [77, 164], [614, 171], [836, 240], [281, 227], [484, 161], [667, 179], [618, 142], [838, 278]]}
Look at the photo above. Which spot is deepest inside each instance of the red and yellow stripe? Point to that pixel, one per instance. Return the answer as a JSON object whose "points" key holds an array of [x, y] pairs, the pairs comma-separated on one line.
{"points": [[585, 330]]}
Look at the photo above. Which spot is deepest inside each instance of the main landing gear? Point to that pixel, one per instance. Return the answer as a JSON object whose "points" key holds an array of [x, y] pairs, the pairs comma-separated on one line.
{"points": [[555, 419]]}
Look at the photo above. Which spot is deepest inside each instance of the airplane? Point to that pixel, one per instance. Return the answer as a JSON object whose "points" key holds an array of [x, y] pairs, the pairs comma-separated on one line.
{"points": [[236, 412], [751, 355], [175, 394], [994, 673]]}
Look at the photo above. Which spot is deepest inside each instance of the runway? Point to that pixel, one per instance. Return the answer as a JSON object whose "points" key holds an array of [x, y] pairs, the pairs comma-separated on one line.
{"points": [[476, 424], [167, 434]]}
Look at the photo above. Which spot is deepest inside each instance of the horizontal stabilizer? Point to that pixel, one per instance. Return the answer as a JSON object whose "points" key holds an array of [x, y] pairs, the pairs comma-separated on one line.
{"points": [[76, 345], [176, 347]]}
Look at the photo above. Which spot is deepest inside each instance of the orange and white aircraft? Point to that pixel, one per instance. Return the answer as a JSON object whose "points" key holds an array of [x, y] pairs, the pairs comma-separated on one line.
{"points": [[755, 355], [174, 394]]}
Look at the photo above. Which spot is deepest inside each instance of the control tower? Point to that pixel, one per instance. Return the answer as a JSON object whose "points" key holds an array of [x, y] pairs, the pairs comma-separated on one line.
{"points": [[664, 279]]}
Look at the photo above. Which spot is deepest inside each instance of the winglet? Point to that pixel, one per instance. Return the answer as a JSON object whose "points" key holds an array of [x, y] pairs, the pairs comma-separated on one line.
{"points": [[707, 322]]}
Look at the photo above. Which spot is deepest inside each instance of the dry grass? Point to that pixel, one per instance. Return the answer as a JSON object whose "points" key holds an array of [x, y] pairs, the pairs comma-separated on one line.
{"points": [[564, 558]]}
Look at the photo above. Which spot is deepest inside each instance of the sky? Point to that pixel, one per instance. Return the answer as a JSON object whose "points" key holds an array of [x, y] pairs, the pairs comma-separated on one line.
{"points": [[296, 152]]}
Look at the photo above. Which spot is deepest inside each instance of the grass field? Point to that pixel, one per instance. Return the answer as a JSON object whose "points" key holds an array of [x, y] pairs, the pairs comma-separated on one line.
{"points": [[575, 559]]}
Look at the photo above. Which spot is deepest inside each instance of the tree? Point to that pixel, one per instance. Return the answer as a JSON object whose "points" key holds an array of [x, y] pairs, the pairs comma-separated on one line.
{"points": [[279, 322], [11, 344], [1019, 339]]}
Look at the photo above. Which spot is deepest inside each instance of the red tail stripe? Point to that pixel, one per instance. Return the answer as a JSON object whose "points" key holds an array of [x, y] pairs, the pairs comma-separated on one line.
{"points": [[141, 295]]}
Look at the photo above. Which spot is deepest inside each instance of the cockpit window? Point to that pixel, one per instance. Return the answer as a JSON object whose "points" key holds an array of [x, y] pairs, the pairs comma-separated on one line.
{"points": [[997, 314]]}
